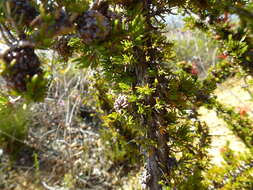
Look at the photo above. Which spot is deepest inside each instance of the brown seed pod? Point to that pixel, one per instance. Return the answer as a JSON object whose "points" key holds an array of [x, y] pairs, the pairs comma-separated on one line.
{"points": [[20, 65], [92, 25]]}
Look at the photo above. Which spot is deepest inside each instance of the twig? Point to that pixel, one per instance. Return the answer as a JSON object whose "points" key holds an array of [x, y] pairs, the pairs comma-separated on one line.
{"points": [[14, 138], [47, 186], [13, 23], [8, 32], [4, 36]]}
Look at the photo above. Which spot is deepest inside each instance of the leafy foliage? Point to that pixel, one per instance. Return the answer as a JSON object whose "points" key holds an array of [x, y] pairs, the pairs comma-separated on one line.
{"points": [[147, 99], [235, 172]]}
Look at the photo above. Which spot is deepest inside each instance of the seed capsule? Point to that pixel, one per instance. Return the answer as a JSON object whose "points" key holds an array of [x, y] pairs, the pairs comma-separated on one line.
{"points": [[20, 65], [92, 25]]}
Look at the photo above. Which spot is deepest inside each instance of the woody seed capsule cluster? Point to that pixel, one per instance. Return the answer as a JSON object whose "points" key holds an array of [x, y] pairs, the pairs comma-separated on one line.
{"points": [[92, 25], [20, 65]]}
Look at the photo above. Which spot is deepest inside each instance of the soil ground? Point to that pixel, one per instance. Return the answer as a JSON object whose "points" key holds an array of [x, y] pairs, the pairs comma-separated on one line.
{"points": [[230, 93]]}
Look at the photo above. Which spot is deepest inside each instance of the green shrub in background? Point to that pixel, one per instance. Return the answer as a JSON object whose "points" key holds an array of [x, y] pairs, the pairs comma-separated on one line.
{"points": [[14, 123], [235, 172]]}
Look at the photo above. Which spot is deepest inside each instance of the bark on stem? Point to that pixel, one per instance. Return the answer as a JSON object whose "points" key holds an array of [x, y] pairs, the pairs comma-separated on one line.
{"points": [[158, 155]]}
